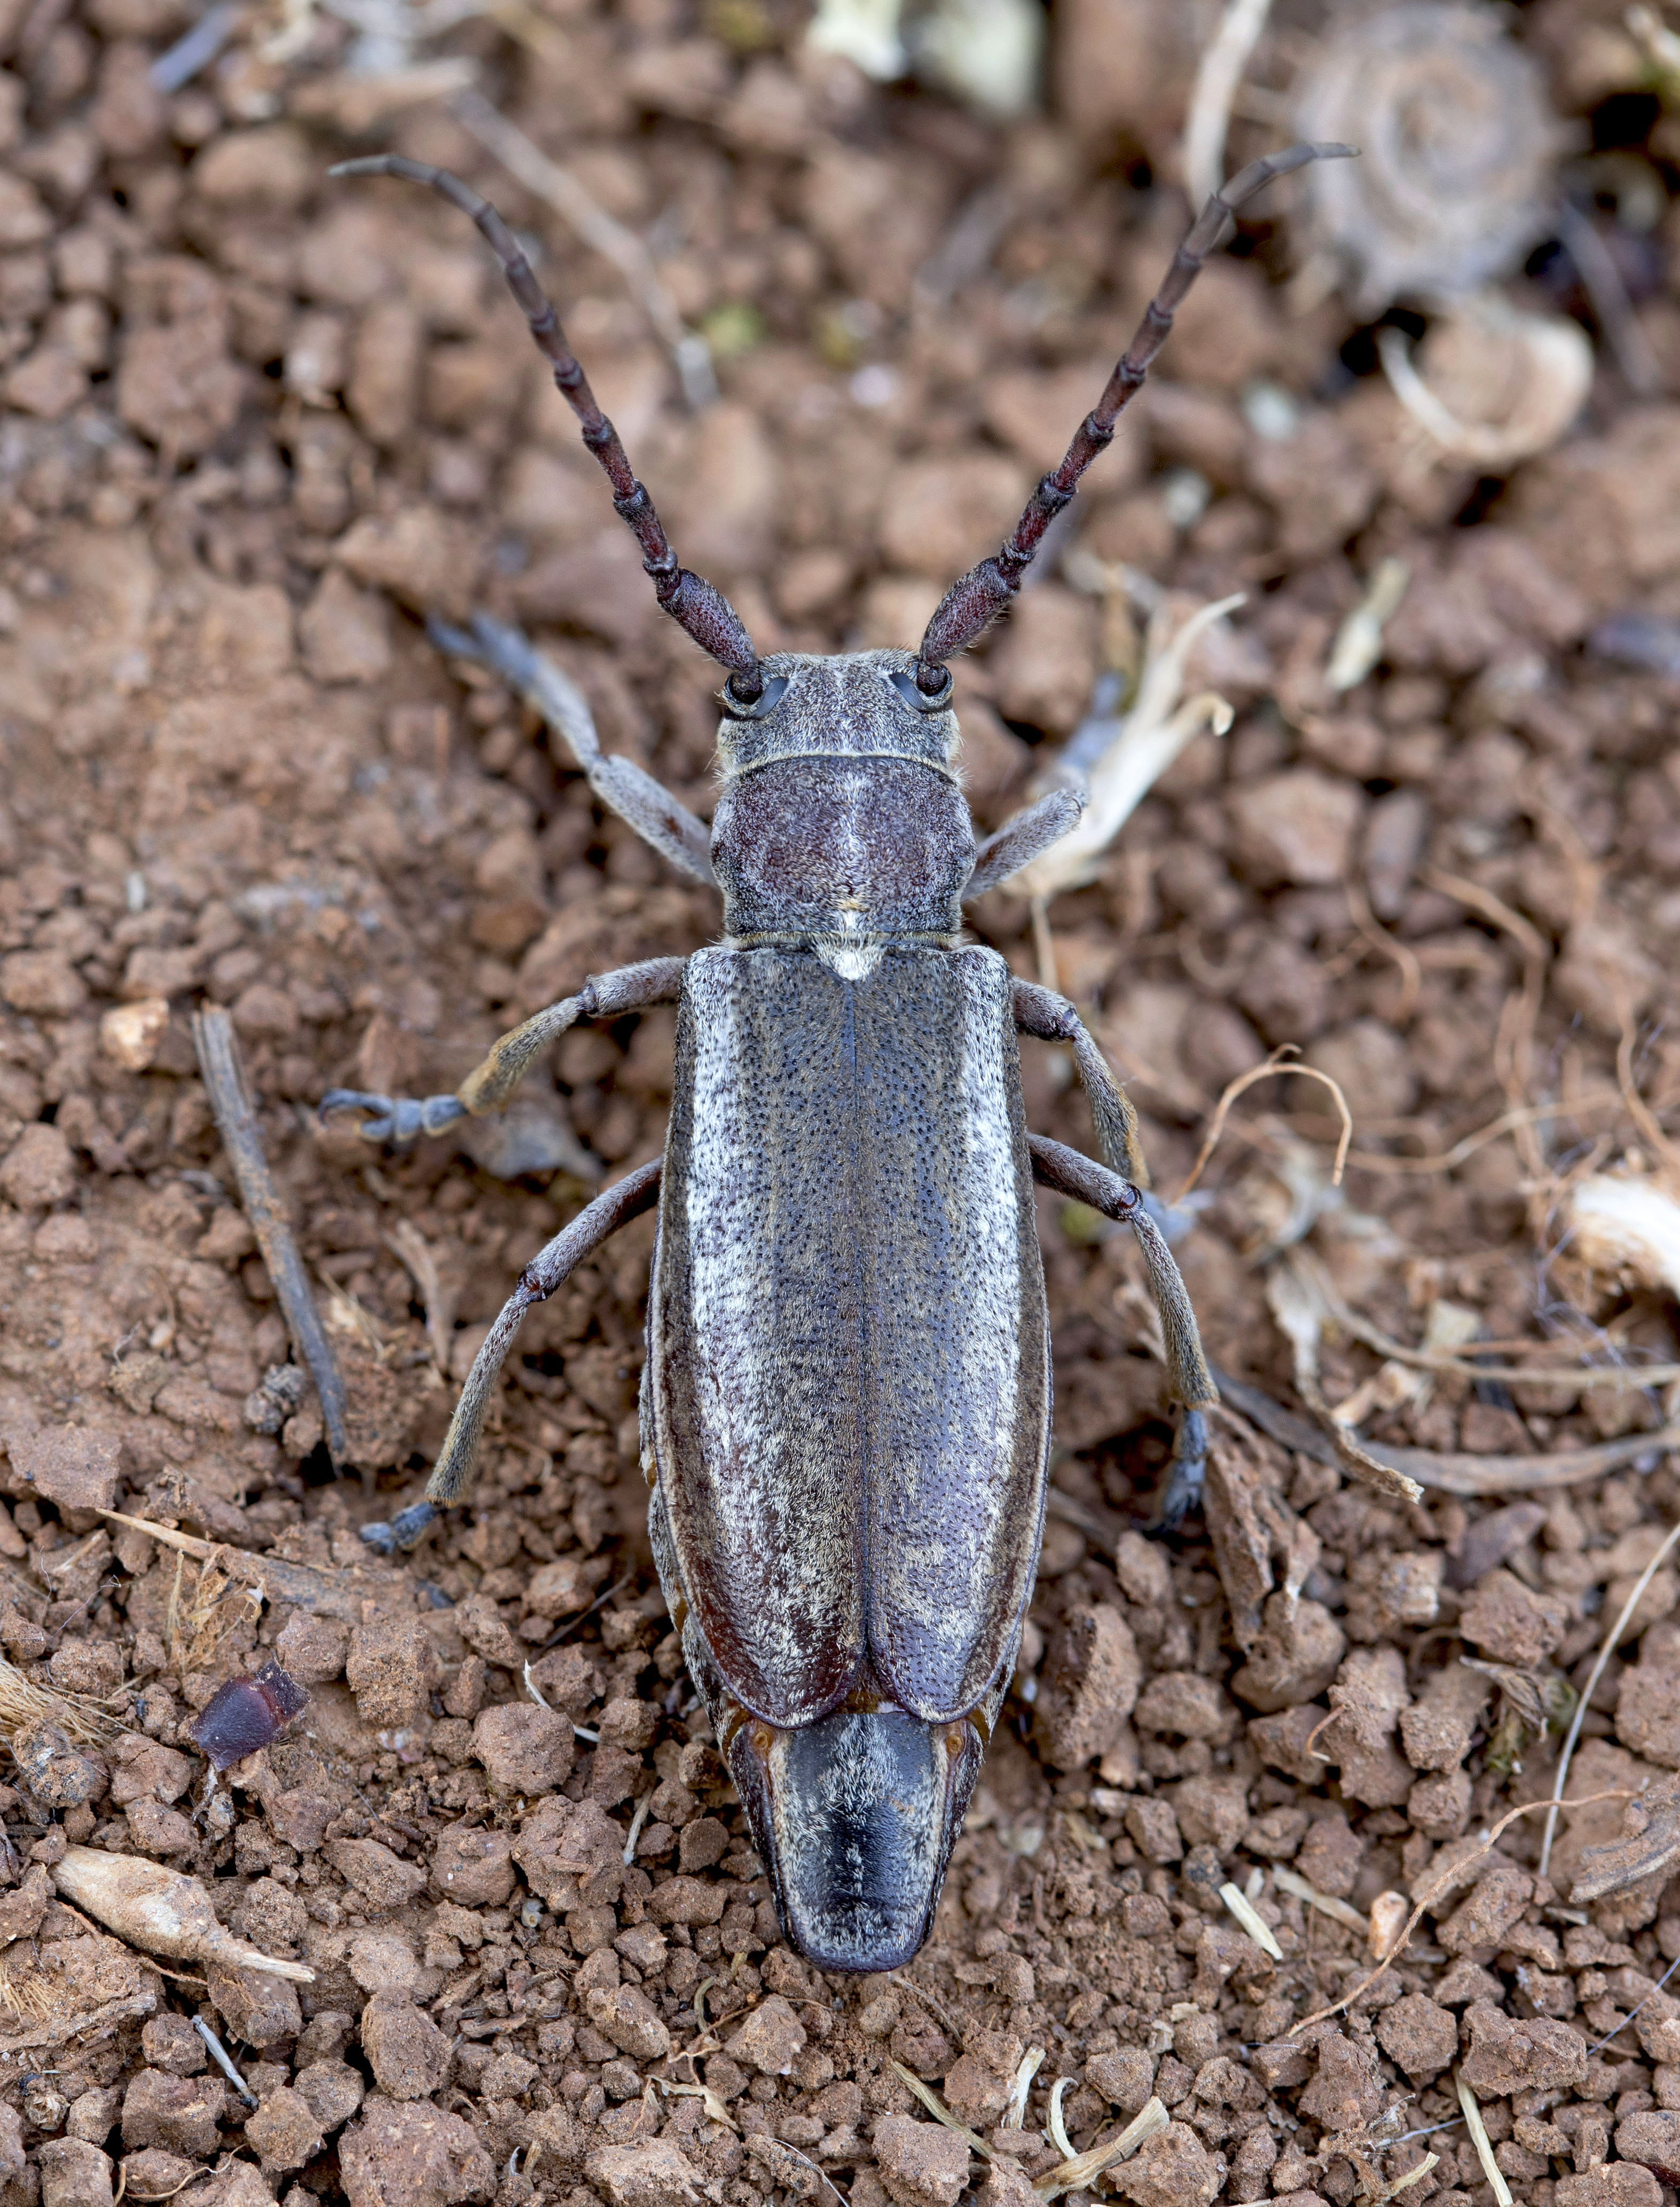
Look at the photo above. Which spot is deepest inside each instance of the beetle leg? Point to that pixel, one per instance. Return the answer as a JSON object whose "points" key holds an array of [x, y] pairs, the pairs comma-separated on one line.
{"points": [[681, 838], [490, 1086], [1041, 1012], [1023, 838], [637, 1192], [1187, 1375], [396, 1119]]}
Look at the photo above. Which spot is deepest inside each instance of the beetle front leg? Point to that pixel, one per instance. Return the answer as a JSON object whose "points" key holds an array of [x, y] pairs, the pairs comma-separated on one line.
{"points": [[552, 1265], [681, 838], [1042, 1013], [490, 1086], [1192, 1383]]}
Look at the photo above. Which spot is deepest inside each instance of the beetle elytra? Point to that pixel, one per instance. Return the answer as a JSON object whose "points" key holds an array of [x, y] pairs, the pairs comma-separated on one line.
{"points": [[845, 1405]]}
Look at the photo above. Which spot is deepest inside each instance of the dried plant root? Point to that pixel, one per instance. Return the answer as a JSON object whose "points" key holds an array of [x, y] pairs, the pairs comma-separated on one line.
{"points": [[1449, 1471], [159, 1910]]}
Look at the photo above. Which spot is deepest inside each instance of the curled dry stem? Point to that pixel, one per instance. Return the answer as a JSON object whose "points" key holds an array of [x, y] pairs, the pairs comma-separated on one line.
{"points": [[1433, 1893], [1607, 1648], [1281, 1061]]}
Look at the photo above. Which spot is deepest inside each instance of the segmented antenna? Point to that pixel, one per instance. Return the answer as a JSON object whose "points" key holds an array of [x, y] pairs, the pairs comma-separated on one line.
{"points": [[971, 605], [696, 605]]}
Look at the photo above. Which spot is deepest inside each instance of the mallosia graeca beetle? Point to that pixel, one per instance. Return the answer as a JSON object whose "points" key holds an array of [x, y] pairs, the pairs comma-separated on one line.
{"points": [[846, 1404]]}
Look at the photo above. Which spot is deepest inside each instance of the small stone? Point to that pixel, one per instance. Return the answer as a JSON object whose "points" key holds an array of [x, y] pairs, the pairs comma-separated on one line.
{"points": [[1154, 1830], [41, 983], [1186, 1705], [409, 2055], [1648, 1704], [1297, 827], [524, 1748], [1088, 1687], [332, 2090], [51, 1769], [428, 562], [73, 2174], [560, 1588], [256, 2005], [921, 2164], [1125, 2079], [413, 2156], [472, 1868], [129, 1034], [345, 632], [1496, 1902], [382, 1962], [656, 2172], [67, 1465], [391, 1667], [975, 2093], [1611, 2184], [180, 2114], [1417, 2036], [39, 1168], [1652, 2139], [632, 2021], [770, 2040], [284, 2131], [170, 2043], [1510, 1623], [155, 1830], [383, 1878], [1346, 2092], [1527, 2055], [313, 1648], [1171, 2170]]}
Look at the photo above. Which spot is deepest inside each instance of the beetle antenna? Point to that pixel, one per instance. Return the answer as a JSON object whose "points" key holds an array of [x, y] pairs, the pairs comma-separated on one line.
{"points": [[972, 605], [696, 605]]}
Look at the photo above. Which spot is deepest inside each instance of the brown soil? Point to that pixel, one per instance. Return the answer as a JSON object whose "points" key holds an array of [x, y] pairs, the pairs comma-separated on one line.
{"points": [[256, 426]]}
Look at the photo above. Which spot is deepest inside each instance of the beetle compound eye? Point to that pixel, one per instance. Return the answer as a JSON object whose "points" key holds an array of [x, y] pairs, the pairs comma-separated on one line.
{"points": [[919, 699], [755, 708]]}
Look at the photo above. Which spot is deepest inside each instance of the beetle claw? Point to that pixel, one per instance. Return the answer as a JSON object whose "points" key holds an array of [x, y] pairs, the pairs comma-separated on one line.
{"points": [[397, 1119]]}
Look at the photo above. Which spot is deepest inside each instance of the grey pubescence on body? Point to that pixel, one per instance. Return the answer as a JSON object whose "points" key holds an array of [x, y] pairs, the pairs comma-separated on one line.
{"points": [[845, 1406]]}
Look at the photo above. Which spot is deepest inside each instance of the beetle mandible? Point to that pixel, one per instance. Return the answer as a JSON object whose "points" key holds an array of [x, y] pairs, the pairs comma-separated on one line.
{"points": [[846, 1404]]}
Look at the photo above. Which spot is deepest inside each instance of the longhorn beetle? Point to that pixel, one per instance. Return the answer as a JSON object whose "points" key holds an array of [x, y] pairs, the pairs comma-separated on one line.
{"points": [[846, 1404]]}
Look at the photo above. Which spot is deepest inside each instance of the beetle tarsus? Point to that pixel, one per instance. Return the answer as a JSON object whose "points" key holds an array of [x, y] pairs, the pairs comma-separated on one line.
{"points": [[406, 1530], [397, 1120], [1185, 1472]]}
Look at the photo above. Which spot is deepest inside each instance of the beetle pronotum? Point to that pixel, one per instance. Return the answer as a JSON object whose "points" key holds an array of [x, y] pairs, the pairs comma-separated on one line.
{"points": [[845, 1406]]}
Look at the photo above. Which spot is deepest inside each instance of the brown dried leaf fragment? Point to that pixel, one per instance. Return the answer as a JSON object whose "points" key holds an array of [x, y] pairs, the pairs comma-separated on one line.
{"points": [[1254, 1532], [1650, 1842]]}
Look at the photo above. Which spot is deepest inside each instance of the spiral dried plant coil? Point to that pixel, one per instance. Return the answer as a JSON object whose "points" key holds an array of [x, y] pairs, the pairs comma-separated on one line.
{"points": [[1457, 142]]}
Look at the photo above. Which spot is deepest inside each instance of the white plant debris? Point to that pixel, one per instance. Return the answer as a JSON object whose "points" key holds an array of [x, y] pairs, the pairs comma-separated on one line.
{"points": [[1117, 757], [1457, 142], [1627, 1226], [1491, 385], [1359, 641]]}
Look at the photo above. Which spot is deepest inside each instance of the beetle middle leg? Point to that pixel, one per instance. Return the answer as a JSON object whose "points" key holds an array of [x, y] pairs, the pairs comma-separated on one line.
{"points": [[1051, 1018], [1187, 1376], [490, 1086], [550, 1268]]}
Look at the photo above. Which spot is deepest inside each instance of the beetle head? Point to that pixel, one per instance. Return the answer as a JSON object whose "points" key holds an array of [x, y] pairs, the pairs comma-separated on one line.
{"points": [[841, 818]]}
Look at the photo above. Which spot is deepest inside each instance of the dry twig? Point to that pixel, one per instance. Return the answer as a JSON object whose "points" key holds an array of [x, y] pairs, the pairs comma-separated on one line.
{"points": [[236, 1123], [594, 227], [1450, 1471]]}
